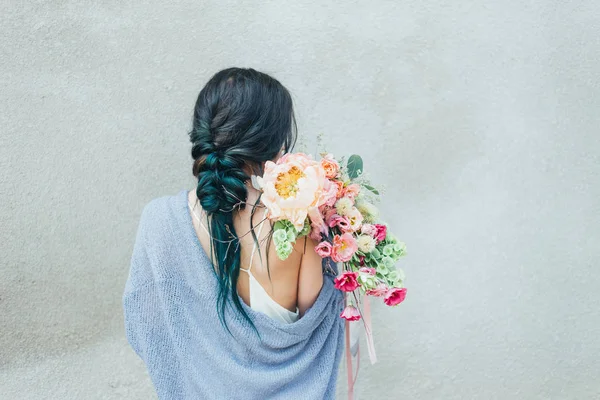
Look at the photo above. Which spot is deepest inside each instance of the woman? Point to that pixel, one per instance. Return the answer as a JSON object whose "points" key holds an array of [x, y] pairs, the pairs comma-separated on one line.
{"points": [[209, 307]]}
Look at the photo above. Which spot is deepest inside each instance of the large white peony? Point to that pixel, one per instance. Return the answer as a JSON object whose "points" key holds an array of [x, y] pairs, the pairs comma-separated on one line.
{"points": [[291, 187]]}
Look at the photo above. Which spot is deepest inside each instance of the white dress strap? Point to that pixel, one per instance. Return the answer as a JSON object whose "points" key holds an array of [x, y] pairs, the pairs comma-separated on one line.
{"points": [[261, 301], [254, 244]]}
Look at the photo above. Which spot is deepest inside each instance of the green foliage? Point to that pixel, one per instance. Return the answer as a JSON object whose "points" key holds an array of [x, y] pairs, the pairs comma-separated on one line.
{"points": [[280, 236], [354, 166], [306, 228], [370, 188], [284, 250]]}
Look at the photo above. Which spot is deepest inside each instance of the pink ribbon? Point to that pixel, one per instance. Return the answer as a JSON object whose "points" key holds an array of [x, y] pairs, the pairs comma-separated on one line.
{"points": [[366, 314], [369, 329], [349, 363]]}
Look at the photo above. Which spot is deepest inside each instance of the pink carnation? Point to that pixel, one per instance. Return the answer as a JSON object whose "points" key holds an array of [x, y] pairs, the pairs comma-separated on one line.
{"points": [[346, 282], [380, 290], [394, 296], [342, 222], [344, 247], [381, 232], [350, 313], [367, 270], [369, 229], [323, 249]]}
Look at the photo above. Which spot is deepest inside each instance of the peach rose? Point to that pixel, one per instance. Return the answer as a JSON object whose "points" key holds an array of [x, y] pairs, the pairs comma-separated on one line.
{"points": [[340, 188], [331, 166]]}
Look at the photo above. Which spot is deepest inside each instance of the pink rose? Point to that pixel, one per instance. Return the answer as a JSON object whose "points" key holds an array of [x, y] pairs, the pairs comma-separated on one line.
{"points": [[381, 232], [344, 247], [380, 290], [342, 222], [330, 165], [346, 281], [323, 249], [369, 229], [350, 313], [367, 270], [352, 190], [394, 296], [329, 194]]}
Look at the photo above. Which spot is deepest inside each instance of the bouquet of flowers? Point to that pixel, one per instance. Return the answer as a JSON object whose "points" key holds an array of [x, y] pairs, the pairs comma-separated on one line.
{"points": [[332, 202]]}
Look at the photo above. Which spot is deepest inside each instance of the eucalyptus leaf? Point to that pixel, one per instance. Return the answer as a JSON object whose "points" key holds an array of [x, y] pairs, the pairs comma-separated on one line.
{"points": [[354, 166], [371, 188]]}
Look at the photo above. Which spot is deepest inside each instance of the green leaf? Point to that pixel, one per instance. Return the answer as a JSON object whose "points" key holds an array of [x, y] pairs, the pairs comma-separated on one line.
{"points": [[371, 188], [355, 166], [306, 228]]}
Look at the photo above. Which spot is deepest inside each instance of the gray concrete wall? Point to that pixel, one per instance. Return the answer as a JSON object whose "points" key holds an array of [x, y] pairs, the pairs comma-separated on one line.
{"points": [[481, 118]]}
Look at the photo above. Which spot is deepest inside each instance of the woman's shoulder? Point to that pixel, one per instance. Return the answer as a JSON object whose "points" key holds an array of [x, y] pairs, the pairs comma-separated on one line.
{"points": [[159, 241], [159, 213]]}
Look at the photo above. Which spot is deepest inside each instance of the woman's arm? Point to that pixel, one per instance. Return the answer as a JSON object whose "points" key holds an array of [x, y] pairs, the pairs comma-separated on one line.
{"points": [[310, 275]]}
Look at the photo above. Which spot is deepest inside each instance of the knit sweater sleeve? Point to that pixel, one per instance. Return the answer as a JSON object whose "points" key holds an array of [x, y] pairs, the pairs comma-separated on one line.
{"points": [[146, 326]]}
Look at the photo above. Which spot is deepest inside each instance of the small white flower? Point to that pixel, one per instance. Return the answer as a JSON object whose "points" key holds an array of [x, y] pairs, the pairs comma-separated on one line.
{"points": [[343, 206], [366, 243]]}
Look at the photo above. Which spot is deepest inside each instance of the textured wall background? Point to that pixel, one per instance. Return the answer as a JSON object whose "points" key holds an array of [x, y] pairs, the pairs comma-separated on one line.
{"points": [[482, 118]]}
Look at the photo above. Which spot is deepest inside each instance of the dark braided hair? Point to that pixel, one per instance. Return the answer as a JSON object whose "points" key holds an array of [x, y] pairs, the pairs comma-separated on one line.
{"points": [[242, 118]]}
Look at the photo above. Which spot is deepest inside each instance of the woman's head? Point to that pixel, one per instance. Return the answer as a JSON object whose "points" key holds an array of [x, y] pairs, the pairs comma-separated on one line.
{"points": [[242, 118]]}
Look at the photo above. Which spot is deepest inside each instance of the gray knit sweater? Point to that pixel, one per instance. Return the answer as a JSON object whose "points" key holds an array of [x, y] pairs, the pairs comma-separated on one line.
{"points": [[171, 322]]}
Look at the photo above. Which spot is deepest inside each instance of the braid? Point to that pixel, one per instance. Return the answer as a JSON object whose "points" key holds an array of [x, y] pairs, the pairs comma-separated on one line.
{"points": [[221, 183], [242, 118], [221, 190]]}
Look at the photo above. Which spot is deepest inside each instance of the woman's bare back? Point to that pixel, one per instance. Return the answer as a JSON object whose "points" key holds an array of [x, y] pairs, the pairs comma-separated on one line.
{"points": [[294, 282]]}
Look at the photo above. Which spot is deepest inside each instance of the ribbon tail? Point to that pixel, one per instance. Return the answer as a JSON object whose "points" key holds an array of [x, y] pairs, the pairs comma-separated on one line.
{"points": [[349, 363], [369, 329]]}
